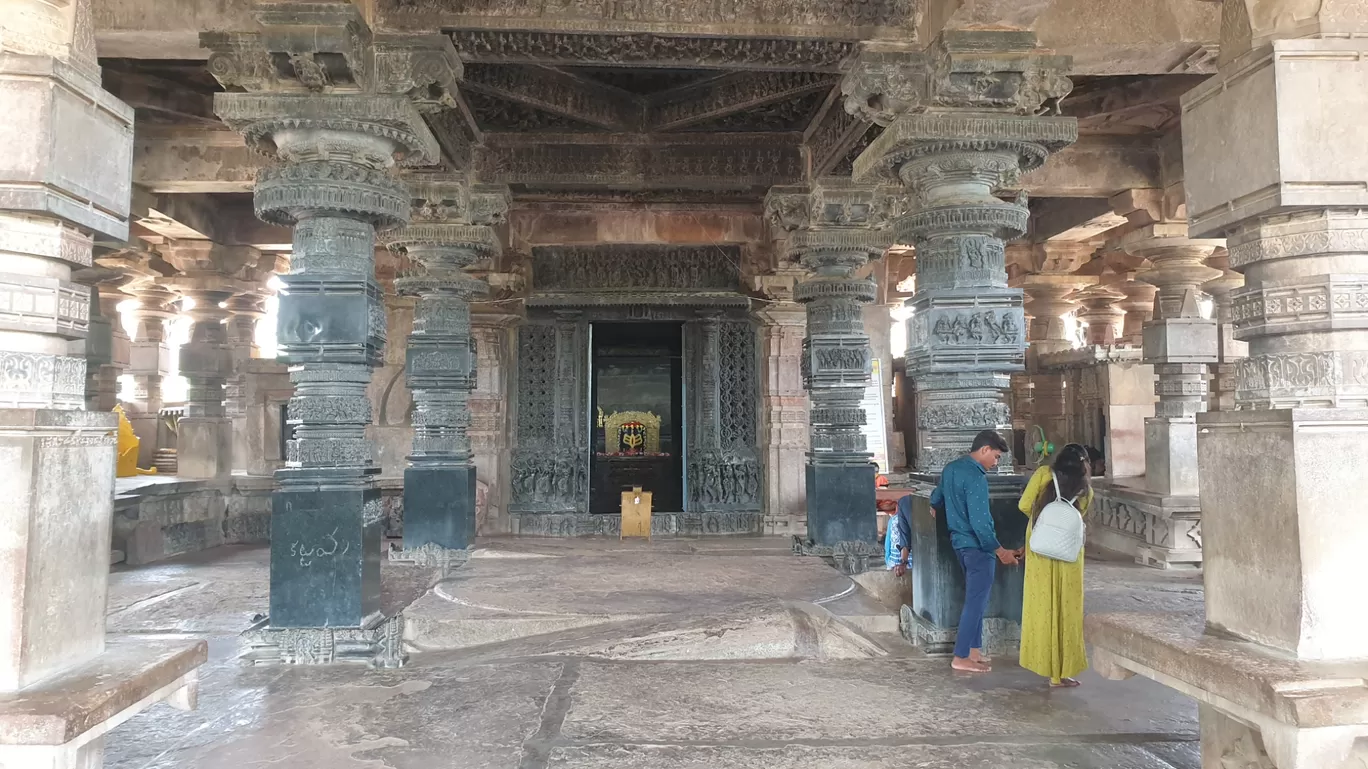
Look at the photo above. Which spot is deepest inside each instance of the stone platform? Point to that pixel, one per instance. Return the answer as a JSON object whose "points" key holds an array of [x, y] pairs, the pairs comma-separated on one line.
{"points": [[624, 693]]}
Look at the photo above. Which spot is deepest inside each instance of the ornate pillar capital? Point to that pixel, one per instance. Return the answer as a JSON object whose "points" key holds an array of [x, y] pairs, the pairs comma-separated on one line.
{"points": [[965, 119], [1101, 313]]}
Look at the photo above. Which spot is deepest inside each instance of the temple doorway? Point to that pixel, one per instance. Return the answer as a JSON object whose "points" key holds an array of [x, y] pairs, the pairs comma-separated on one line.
{"points": [[637, 403]]}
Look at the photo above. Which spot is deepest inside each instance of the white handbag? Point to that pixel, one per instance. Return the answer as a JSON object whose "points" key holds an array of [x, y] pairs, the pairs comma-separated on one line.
{"points": [[1059, 530]]}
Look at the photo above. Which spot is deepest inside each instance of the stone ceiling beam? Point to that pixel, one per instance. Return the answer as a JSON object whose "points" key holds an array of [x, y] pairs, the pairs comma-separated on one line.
{"points": [[601, 49], [739, 18], [719, 97], [160, 98], [559, 93], [711, 161], [1096, 167], [194, 160], [1072, 219]]}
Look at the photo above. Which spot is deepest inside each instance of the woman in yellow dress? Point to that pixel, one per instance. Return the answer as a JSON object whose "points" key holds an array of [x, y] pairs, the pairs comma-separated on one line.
{"points": [[1052, 609]]}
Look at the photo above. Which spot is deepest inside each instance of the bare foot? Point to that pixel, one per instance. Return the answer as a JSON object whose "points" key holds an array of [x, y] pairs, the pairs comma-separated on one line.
{"points": [[969, 666], [977, 655], [1064, 683]]}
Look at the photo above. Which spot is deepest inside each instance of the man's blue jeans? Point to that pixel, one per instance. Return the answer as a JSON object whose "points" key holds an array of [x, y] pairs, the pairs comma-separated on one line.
{"points": [[979, 570]]}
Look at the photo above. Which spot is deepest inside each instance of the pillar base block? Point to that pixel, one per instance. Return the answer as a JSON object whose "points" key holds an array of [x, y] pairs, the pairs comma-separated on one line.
{"points": [[1258, 707], [841, 505], [1171, 456], [439, 507], [325, 550], [377, 643], [61, 722], [204, 448], [938, 579]]}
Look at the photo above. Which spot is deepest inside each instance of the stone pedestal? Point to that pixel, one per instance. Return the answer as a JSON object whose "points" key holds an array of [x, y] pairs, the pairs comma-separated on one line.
{"points": [[68, 146], [1281, 664], [335, 186], [932, 621]]}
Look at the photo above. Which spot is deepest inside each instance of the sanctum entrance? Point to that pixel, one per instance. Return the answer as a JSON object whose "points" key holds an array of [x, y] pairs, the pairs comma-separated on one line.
{"points": [[636, 366], [638, 414]]}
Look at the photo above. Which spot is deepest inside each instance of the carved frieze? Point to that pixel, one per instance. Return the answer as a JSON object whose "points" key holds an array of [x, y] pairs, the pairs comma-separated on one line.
{"points": [[781, 13], [1337, 378], [724, 164], [618, 268], [650, 50]]}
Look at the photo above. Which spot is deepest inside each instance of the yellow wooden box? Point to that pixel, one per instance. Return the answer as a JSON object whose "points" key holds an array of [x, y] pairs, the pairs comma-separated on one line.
{"points": [[636, 514]]}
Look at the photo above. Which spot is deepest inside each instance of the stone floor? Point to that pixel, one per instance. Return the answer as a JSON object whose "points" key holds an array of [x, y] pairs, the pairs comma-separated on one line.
{"points": [[673, 655]]}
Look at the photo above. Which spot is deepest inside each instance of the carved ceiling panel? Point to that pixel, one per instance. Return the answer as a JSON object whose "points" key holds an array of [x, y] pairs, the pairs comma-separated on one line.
{"points": [[791, 115], [495, 114], [642, 82], [650, 50]]}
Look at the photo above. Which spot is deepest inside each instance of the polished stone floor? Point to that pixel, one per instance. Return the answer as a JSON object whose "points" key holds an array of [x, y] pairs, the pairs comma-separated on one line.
{"points": [[671, 655]]}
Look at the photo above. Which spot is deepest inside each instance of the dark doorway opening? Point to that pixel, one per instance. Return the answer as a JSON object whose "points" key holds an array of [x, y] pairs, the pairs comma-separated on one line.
{"points": [[637, 402]]}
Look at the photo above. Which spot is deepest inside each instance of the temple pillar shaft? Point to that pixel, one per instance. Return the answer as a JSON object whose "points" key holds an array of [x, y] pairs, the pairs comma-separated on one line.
{"points": [[490, 430], [440, 481], [1049, 297], [784, 416], [836, 229], [336, 187], [204, 447], [149, 362], [1229, 350], [66, 179], [1180, 344]]}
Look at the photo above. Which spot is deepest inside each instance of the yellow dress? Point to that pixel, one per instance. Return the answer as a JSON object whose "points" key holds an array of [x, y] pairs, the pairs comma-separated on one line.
{"points": [[1052, 609]]}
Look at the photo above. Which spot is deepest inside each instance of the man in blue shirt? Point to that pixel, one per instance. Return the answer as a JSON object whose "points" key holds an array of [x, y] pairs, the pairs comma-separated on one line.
{"points": [[963, 496]]}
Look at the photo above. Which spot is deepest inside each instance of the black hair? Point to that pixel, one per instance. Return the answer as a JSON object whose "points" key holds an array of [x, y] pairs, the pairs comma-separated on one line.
{"points": [[990, 438], [1073, 470]]}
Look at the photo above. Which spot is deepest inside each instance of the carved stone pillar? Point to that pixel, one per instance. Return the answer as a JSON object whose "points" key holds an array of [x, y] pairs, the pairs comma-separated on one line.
{"points": [[1180, 343], [335, 186], [443, 239], [1138, 304], [106, 345], [963, 143], [149, 360], [783, 408], [1049, 291], [490, 430], [1101, 314], [205, 438], [1229, 350], [1282, 478], [67, 148], [835, 232]]}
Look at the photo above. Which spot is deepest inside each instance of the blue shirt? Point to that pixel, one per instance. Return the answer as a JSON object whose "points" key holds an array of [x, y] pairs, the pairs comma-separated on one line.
{"points": [[963, 494], [899, 534]]}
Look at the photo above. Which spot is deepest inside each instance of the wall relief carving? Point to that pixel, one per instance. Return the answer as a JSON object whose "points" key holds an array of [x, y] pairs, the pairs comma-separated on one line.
{"points": [[633, 268]]}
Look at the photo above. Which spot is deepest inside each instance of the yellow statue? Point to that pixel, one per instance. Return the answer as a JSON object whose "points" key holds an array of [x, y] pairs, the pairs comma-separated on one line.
{"points": [[127, 465]]}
